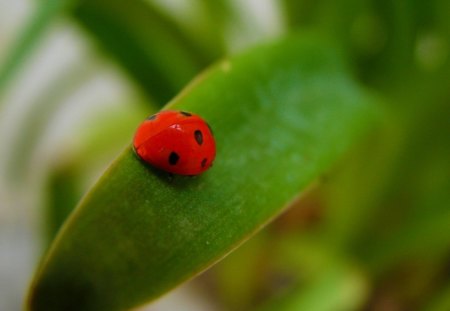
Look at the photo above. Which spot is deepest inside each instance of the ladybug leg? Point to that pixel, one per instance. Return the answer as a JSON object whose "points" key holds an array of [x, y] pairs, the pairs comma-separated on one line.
{"points": [[170, 177]]}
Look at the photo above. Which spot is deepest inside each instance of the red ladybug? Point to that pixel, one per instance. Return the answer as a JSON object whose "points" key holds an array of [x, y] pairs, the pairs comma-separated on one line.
{"points": [[176, 141]]}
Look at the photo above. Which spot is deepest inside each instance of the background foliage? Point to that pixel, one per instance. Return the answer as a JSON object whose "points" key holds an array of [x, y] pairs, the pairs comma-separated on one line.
{"points": [[372, 233]]}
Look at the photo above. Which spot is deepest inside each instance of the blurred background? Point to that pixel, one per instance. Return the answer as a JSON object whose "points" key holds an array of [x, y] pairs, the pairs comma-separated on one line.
{"points": [[76, 77]]}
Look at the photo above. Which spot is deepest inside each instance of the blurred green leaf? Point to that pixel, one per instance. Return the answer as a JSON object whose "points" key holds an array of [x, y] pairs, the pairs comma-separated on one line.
{"points": [[63, 194], [399, 201], [418, 188], [204, 22], [219, 13], [337, 288], [43, 111], [441, 301], [281, 114], [155, 52], [238, 278], [324, 278], [36, 26], [300, 13], [96, 145]]}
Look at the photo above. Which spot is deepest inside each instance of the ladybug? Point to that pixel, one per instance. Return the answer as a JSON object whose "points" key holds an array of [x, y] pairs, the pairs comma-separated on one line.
{"points": [[177, 142]]}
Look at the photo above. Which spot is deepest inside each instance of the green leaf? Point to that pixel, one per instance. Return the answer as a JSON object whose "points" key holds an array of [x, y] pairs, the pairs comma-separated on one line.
{"points": [[440, 301], [98, 140], [337, 288], [281, 114], [153, 50], [43, 16], [44, 108]]}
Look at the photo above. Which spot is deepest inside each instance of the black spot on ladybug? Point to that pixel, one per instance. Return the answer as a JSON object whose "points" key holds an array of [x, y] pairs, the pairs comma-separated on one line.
{"points": [[186, 114], [204, 162], [153, 117], [173, 158], [198, 137]]}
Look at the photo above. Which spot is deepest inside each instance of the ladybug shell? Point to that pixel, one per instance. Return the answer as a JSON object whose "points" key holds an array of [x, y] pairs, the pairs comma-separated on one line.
{"points": [[177, 142]]}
